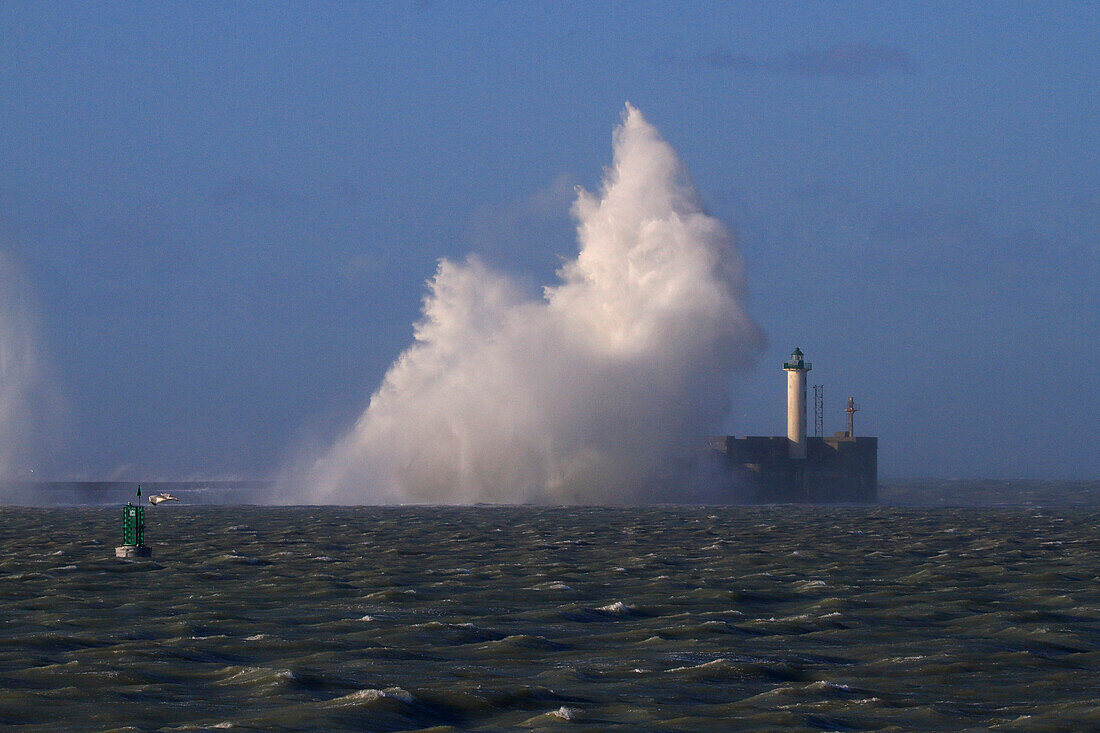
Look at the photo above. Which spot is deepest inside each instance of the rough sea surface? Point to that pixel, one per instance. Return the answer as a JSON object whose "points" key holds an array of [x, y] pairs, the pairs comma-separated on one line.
{"points": [[490, 618]]}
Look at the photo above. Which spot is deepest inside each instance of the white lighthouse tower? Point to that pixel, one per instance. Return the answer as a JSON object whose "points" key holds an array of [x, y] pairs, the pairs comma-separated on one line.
{"points": [[796, 370]]}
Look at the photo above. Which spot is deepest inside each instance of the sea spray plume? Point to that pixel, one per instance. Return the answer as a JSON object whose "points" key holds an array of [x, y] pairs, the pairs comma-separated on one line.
{"points": [[600, 391], [18, 371]]}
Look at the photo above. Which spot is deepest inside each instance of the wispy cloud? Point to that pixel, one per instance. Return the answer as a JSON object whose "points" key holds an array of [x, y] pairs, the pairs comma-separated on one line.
{"points": [[857, 59], [246, 192], [838, 60]]}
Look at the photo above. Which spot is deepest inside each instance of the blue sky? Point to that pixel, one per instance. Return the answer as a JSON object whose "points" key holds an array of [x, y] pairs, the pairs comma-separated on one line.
{"points": [[225, 213]]}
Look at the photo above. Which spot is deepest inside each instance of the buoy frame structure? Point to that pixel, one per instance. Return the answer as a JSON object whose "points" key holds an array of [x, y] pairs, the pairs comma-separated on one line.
{"points": [[133, 531]]}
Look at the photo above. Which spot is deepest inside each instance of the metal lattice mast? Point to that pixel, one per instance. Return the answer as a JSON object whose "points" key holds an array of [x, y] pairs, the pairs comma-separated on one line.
{"points": [[819, 409]]}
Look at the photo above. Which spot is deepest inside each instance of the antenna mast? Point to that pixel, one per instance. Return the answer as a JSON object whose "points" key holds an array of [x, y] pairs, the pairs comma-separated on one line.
{"points": [[852, 409], [819, 409]]}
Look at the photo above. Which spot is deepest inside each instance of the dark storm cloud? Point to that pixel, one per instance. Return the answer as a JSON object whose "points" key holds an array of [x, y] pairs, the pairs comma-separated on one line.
{"points": [[839, 60]]}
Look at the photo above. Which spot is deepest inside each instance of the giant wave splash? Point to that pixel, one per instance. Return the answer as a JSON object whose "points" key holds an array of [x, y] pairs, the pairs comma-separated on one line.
{"points": [[600, 391]]}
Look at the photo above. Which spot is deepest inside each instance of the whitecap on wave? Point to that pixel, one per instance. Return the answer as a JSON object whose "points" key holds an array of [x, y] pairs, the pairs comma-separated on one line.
{"points": [[616, 607], [370, 695], [565, 713]]}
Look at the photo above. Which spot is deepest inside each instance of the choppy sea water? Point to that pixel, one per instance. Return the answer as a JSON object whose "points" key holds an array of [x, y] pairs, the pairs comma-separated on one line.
{"points": [[485, 618]]}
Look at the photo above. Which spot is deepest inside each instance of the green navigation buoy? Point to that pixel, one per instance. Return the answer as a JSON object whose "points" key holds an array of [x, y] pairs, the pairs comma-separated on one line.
{"points": [[133, 531]]}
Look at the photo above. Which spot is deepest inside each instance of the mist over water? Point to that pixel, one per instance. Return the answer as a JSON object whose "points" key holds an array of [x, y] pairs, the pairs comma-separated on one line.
{"points": [[599, 391], [19, 373]]}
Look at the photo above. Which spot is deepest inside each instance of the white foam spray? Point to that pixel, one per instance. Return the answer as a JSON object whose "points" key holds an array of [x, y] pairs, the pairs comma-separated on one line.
{"points": [[600, 391]]}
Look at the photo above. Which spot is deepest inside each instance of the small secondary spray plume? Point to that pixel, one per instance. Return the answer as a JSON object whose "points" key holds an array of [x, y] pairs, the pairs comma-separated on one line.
{"points": [[600, 391], [19, 371]]}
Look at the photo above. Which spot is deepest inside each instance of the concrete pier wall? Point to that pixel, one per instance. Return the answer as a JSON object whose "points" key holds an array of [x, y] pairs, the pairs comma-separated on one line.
{"points": [[838, 469]]}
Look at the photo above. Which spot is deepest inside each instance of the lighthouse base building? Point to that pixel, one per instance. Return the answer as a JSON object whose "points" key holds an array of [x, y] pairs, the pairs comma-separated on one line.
{"points": [[798, 468], [839, 469]]}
